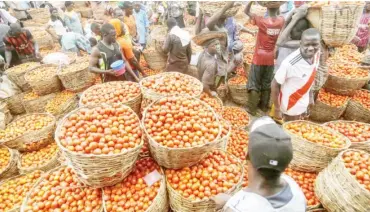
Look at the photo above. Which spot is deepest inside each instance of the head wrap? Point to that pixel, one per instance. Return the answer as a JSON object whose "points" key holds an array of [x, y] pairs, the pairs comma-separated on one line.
{"points": [[117, 26]]}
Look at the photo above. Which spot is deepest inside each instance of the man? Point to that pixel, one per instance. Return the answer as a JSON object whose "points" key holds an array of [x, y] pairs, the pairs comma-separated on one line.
{"points": [[4, 29], [262, 68], [269, 189], [118, 13], [178, 47], [291, 86], [176, 11], [142, 23], [72, 19], [106, 52], [20, 9], [129, 19], [95, 29], [75, 42], [20, 40]]}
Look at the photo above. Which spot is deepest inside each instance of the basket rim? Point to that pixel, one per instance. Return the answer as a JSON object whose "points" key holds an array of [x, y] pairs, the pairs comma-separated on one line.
{"points": [[348, 121], [351, 79], [27, 133], [64, 119], [347, 145], [249, 116], [80, 104], [182, 148], [13, 153], [26, 75], [9, 70], [19, 164], [342, 106], [59, 71]]}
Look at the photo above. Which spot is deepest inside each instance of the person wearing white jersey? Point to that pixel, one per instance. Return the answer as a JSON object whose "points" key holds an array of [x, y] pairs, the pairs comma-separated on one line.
{"points": [[269, 190]]}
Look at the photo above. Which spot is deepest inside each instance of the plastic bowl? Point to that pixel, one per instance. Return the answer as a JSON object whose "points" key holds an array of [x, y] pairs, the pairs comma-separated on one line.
{"points": [[118, 67]]}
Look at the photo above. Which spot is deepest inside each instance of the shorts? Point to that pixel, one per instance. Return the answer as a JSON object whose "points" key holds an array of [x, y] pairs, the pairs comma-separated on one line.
{"points": [[260, 77]]}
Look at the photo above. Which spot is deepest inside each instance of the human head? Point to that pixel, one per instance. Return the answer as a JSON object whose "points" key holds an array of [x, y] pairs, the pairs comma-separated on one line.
{"points": [[118, 26], [310, 43], [54, 12], [269, 149], [95, 28], [171, 22], [298, 29], [137, 6], [109, 33], [15, 29], [93, 42], [237, 46], [212, 46], [128, 8], [118, 13], [69, 5]]}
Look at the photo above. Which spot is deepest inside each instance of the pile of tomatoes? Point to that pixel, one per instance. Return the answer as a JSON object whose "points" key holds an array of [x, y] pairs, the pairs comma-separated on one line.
{"points": [[4, 158], [238, 80], [332, 100], [133, 193], [354, 131], [238, 143], [306, 181], [178, 122], [39, 157], [111, 92], [236, 116], [60, 191], [215, 174], [343, 70], [109, 129], [172, 83], [25, 124], [358, 164], [362, 97], [245, 176], [316, 134], [13, 191], [213, 102], [150, 72]]}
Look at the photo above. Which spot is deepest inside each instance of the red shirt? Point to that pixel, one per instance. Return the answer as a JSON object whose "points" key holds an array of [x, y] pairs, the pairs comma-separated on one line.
{"points": [[268, 33], [22, 44]]}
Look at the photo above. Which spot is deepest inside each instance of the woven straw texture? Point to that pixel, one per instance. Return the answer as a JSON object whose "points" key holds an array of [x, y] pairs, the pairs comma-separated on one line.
{"points": [[344, 86], [193, 71], [34, 140], [18, 76], [155, 59], [365, 146], [11, 168], [225, 139], [176, 158], [309, 156], [7, 115], [98, 170], [271, 4], [322, 112], [66, 107], [38, 104], [134, 103], [321, 77], [44, 85], [48, 165], [339, 191], [239, 93], [43, 38], [357, 112], [205, 36], [178, 203], [152, 95], [77, 80], [15, 104], [209, 8], [337, 24]]}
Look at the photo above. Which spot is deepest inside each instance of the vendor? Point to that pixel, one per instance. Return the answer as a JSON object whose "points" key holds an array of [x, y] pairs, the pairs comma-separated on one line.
{"points": [[106, 52], [20, 40], [269, 189], [72, 19], [57, 24], [75, 42]]}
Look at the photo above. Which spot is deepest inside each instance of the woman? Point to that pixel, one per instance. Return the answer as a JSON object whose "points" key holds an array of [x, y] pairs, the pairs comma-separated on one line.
{"points": [[57, 23], [362, 37], [72, 19]]}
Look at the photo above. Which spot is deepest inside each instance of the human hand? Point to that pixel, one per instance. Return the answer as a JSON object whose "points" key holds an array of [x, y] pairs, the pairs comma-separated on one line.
{"points": [[277, 114], [230, 4], [214, 93], [6, 66], [220, 200], [300, 12], [111, 72]]}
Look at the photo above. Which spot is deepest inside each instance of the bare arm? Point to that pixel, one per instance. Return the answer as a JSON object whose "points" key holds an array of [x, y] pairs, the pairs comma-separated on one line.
{"points": [[275, 90], [128, 68], [167, 44], [247, 10], [94, 62], [213, 20], [189, 52], [8, 57], [137, 66], [198, 24]]}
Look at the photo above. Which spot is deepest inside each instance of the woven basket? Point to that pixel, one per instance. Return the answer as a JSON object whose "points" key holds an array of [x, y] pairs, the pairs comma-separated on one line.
{"points": [[344, 86], [205, 36], [193, 71], [365, 146], [239, 93], [48, 165], [337, 24], [209, 8], [77, 80], [66, 107], [271, 4], [322, 112], [157, 35], [85, 12], [18, 76], [11, 168], [98, 170], [34, 140], [309, 156], [15, 104], [339, 191], [7, 115], [134, 104], [37, 105], [176, 158], [356, 112], [155, 60], [180, 204], [44, 86], [225, 139]]}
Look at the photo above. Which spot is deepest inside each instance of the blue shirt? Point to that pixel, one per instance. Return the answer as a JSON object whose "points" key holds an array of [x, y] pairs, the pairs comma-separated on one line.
{"points": [[142, 23]]}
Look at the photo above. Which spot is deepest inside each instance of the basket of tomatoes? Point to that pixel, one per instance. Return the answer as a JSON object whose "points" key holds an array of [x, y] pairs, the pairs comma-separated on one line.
{"points": [[43, 79], [146, 184], [62, 103], [43, 159], [211, 176], [238, 144], [238, 117], [328, 106], [181, 130], [344, 184], [15, 104], [8, 162], [101, 142], [238, 89], [357, 132], [225, 134], [314, 145], [127, 93], [60, 189], [215, 102], [29, 132], [358, 108]]}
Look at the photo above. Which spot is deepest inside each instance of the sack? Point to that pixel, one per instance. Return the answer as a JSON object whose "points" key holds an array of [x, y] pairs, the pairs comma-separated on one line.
{"points": [[8, 88], [57, 58]]}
